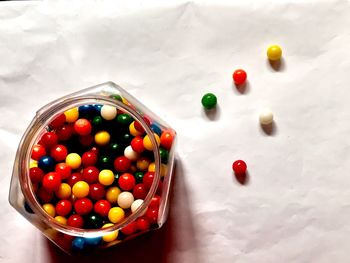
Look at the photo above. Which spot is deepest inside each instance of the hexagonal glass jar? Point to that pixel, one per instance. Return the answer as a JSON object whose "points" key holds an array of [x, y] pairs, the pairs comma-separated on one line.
{"points": [[23, 193]]}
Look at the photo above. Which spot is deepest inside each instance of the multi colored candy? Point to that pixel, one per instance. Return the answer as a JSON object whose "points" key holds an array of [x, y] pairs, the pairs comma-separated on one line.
{"points": [[94, 166]]}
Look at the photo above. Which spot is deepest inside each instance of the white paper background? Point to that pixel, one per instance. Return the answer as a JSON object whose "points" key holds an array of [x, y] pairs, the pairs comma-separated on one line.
{"points": [[295, 206]]}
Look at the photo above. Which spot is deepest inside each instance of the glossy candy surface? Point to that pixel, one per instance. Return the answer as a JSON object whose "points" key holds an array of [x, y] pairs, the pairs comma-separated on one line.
{"points": [[239, 76], [209, 101]]}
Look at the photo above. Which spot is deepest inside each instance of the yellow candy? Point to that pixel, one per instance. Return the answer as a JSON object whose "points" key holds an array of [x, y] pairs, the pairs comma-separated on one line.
{"points": [[124, 100], [163, 168], [72, 115], [64, 191], [142, 164], [111, 236], [106, 177], [61, 219], [50, 209], [102, 138], [80, 189], [33, 163], [116, 215], [147, 142], [274, 52], [133, 130], [73, 160], [112, 194], [152, 167]]}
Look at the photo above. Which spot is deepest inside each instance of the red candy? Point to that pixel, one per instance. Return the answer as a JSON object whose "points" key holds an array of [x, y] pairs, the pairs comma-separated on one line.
{"points": [[83, 206], [166, 139], [82, 127], [122, 164], [102, 207], [152, 215], [129, 229], [142, 223], [63, 170], [64, 132], [59, 152], [239, 167], [155, 202], [73, 178], [75, 221], [140, 191], [86, 140], [126, 181], [35, 174], [51, 181], [49, 139], [97, 191], [63, 207], [44, 195], [89, 158], [148, 179], [239, 76], [137, 144], [90, 174], [58, 121], [38, 152]]}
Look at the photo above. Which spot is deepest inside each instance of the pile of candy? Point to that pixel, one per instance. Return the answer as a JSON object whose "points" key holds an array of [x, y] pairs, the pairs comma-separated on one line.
{"points": [[94, 166]]}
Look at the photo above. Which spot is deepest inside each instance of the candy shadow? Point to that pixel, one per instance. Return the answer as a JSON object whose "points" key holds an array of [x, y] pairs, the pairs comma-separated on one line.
{"points": [[269, 129], [243, 179], [213, 114], [177, 234], [277, 65], [242, 88]]}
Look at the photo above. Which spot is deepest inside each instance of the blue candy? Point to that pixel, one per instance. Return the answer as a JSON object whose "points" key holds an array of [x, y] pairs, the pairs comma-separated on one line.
{"points": [[78, 243], [46, 163], [93, 241], [156, 129]]}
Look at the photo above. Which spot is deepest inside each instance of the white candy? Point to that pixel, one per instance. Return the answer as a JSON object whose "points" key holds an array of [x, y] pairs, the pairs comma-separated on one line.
{"points": [[130, 153], [266, 117], [136, 204], [125, 200], [108, 112]]}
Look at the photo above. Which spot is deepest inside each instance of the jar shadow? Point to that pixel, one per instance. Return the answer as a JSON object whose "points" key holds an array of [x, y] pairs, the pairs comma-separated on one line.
{"points": [[162, 245]]}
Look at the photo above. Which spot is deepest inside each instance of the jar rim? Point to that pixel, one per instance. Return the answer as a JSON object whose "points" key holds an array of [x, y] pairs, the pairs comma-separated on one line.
{"points": [[30, 137]]}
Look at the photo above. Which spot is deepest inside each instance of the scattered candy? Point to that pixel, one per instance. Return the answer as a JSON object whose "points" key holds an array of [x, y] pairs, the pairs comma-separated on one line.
{"points": [[239, 167], [239, 76], [274, 52], [266, 117], [209, 101]]}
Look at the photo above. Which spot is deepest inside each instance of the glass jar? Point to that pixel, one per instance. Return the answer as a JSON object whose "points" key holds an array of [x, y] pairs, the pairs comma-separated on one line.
{"points": [[150, 213]]}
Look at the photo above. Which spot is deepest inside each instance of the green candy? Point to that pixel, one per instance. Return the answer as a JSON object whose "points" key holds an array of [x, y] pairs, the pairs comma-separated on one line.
{"points": [[139, 177], [93, 221], [105, 161], [116, 97], [164, 155], [97, 121], [209, 101], [124, 119]]}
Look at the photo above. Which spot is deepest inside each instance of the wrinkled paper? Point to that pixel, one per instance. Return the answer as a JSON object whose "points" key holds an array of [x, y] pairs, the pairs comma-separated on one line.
{"points": [[294, 204]]}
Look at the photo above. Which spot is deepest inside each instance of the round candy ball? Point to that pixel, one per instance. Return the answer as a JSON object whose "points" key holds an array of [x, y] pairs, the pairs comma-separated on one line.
{"points": [[38, 152], [46, 163], [274, 52], [116, 214], [59, 152], [82, 127], [147, 143], [131, 154], [83, 206], [239, 76], [81, 189], [110, 236], [106, 177], [108, 112], [125, 200], [51, 181], [209, 101], [93, 221], [73, 160], [266, 117], [136, 204], [64, 191], [72, 115], [112, 194], [102, 138], [239, 167], [78, 244]]}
